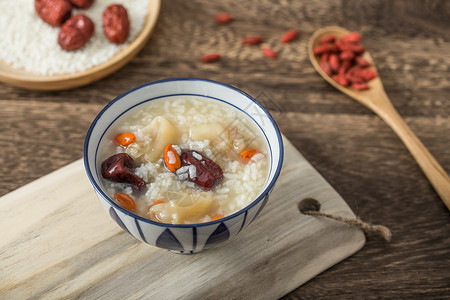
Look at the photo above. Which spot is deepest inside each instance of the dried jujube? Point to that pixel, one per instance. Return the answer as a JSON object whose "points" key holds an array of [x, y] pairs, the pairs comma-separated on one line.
{"points": [[119, 168], [82, 3], [116, 24], [75, 32], [53, 12], [207, 171]]}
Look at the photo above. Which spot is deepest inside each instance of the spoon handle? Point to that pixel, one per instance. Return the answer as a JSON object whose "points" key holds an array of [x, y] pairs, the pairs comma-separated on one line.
{"points": [[432, 169]]}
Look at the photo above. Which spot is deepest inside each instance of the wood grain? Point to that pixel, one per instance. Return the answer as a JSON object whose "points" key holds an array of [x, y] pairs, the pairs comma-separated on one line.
{"points": [[351, 147], [61, 244]]}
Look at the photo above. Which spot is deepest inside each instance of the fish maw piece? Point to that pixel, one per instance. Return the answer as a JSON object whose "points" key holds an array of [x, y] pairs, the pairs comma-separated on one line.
{"points": [[162, 212], [188, 214], [174, 213], [206, 131], [162, 133]]}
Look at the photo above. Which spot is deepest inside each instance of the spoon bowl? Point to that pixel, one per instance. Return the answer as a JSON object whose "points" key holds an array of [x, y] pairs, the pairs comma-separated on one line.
{"points": [[377, 100]]}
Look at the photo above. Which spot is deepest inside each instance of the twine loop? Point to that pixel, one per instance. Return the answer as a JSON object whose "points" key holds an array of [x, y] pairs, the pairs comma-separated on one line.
{"points": [[311, 207]]}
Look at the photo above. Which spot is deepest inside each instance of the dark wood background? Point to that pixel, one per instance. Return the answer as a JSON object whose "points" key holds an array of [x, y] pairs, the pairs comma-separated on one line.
{"points": [[350, 146]]}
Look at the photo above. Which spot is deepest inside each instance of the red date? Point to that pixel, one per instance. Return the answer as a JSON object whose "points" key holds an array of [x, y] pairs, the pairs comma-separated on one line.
{"points": [[75, 32], [207, 171], [53, 12], [119, 168], [116, 24], [82, 3]]}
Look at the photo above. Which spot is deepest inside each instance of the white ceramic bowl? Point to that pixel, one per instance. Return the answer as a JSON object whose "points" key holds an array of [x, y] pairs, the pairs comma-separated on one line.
{"points": [[183, 238]]}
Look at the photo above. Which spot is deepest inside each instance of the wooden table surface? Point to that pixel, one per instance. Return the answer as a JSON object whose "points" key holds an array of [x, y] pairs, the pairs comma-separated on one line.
{"points": [[350, 146]]}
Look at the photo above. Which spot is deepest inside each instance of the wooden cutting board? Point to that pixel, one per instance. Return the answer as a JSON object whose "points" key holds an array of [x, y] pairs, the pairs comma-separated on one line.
{"points": [[57, 242]]}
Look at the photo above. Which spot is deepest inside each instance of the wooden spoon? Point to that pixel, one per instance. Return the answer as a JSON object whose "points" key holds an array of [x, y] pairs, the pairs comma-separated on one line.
{"points": [[376, 99]]}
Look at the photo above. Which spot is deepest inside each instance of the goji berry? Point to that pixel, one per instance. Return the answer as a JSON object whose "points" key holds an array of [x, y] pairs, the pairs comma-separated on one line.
{"points": [[125, 138], [341, 80], [325, 48], [334, 62], [211, 57], [289, 36], [327, 39], [353, 37], [367, 74], [344, 67], [252, 40], [342, 46], [171, 158], [325, 66], [270, 53], [347, 55], [360, 86], [356, 48], [354, 78], [223, 18], [247, 154], [125, 201], [362, 62], [324, 57]]}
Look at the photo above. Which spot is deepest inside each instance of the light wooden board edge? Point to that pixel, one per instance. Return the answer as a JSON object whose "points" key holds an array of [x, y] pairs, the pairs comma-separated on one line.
{"points": [[59, 243], [33, 81]]}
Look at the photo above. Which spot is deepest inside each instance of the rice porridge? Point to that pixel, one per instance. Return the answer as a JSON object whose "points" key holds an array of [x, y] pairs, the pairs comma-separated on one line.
{"points": [[184, 160]]}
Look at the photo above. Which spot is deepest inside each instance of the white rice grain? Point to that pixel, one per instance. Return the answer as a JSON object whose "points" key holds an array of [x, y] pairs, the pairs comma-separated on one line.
{"points": [[197, 156], [257, 156], [172, 158], [177, 149], [182, 170], [192, 172], [183, 176]]}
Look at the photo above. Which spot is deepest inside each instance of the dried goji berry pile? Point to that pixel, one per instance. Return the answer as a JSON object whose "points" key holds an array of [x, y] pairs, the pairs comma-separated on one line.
{"points": [[225, 18], [341, 59]]}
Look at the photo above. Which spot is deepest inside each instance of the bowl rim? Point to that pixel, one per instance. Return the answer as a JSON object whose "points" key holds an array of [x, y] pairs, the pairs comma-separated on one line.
{"points": [[260, 197]]}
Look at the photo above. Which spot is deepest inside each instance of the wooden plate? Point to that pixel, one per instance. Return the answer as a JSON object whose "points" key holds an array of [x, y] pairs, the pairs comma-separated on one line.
{"points": [[33, 81]]}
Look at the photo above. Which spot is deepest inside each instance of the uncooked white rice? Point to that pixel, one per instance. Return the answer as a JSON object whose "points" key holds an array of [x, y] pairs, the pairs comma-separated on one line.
{"points": [[28, 42]]}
